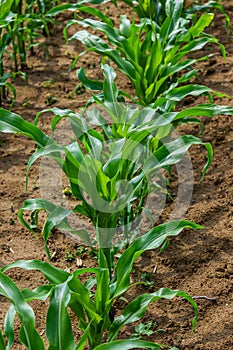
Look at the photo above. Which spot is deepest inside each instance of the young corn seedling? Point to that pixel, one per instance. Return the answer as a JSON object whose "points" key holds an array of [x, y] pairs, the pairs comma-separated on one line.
{"points": [[92, 302], [6, 86], [23, 24], [42, 6], [12, 23], [153, 57], [104, 176], [37, 21], [113, 165], [156, 10], [6, 76], [5, 40]]}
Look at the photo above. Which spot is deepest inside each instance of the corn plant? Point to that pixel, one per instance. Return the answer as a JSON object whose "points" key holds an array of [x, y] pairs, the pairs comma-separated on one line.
{"points": [[98, 170], [163, 104], [157, 10], [23, 24], [5, 84], [92, 302], [12, 26], [42, 6], [130, 144], [5, 40], [118, 158], [19, 32], [6, 76], [110, 96], [153, 57], [37, 21], [194, 7]]}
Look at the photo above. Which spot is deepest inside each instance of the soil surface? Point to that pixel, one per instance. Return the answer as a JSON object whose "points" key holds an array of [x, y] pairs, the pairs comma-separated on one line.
{"points": [[199, 263]]}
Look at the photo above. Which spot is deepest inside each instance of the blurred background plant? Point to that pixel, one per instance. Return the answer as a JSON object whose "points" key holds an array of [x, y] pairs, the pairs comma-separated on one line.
{"points": [[22, 24]]}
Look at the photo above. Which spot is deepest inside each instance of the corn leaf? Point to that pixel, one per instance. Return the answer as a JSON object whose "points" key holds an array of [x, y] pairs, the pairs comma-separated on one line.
{"points": [[103, 291], [203, 22], [90, 84], [4, 42], [174, 9], [151, 240], [9, 326], [56, 217], [135, 310], [179, 93], [12, 123], [172, 152], [94, 43], [58, 324], [2, 342], [28, 334], [53, 274], [131, 344], [58, 276], [84, 337], [109, 87], [5, 6], [39, 293]]}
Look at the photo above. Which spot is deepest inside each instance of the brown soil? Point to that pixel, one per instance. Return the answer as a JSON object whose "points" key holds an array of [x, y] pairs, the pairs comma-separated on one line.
{"points": [[199, 263]]}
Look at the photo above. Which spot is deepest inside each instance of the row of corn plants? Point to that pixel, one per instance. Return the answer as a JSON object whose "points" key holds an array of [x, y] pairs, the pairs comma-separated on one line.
{"points": [[22, 24], [120, 153]]}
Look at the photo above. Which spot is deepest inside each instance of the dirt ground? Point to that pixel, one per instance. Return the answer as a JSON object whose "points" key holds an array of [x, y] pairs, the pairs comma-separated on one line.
{"points": [[199, 263]]}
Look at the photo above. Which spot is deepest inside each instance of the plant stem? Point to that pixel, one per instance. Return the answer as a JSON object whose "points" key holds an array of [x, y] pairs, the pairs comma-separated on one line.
{"points": [[109, 258]]}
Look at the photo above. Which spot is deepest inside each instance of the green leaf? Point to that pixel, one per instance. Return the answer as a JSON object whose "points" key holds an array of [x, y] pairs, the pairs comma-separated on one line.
{"points": [[109, 87], [56, 217], [53, 274], [12, 123], [94, 43], [194, 45], [29, 336], [74, 7], [2, 342], [57, 276], [58, 324], [174, 9], [124, 26], [5, 7], [4, 42], [135, 310], [9, 326], [177, 94], [172, 152], [84, 337], [130, 344], [90, 84], [151, 240], [103, 292], [203, 22], [154, 60], [39, 293]]}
